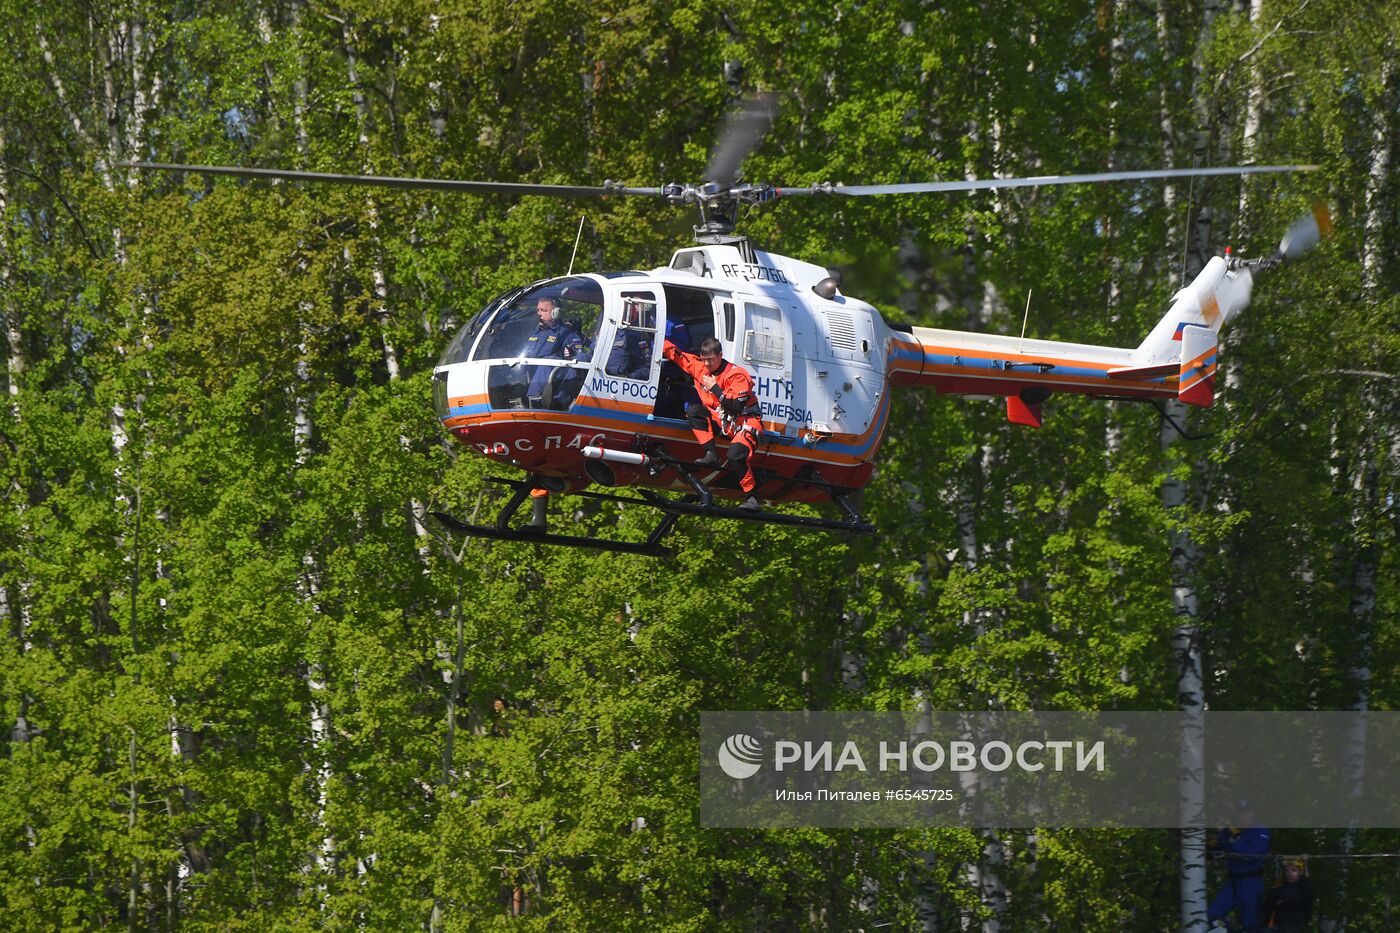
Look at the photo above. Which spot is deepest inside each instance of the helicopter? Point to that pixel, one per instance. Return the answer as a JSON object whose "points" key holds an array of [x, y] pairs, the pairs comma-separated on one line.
{"points": [[603, 407]]}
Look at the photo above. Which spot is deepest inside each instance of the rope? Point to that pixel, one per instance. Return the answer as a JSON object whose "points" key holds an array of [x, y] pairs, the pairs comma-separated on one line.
{"points": [[1306, 856]]}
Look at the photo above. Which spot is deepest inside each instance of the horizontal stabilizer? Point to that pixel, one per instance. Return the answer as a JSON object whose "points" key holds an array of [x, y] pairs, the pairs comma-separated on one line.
{"points": [[1198, 360], [1019, 411], [1144, 372]]}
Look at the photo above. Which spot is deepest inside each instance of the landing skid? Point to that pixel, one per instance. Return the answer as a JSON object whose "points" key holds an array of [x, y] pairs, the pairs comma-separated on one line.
{"points": [[529, 534], [538, 533], [671, 510]]}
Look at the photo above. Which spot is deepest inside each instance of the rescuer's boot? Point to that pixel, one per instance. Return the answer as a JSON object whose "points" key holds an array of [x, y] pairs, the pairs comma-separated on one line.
{"points": [[539, 511], [751, 504], [710, 458]]}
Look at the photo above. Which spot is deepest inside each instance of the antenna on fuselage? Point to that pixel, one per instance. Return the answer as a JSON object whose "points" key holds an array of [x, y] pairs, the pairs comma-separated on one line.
{"points": [[1186, 221], [1025, 319], [577, 237]]}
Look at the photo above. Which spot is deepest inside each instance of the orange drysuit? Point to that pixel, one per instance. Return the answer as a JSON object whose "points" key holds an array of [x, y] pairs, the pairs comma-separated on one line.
{"points": [[730, 409]]}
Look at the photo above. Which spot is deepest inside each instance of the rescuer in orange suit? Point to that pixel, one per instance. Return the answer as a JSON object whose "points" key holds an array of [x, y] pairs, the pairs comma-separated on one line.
{"points": [[727, 406]]}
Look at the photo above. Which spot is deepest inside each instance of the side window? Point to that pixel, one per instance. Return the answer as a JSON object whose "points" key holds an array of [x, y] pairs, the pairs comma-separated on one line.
{"points": [[764, 342], [729, 321], [631, 352]]}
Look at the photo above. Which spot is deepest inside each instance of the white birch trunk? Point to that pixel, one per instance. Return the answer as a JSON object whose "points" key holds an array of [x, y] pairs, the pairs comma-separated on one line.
{"points": [[1249, 149], [437, 106], [1365, 480], [378, 282], [1382, 135], [1117, 53], [13, 609], [319, 761], [980, 309], [1165, 122], [1190, 691], [1186, 638], [984, 875], [1253, 114], [14, 337], [127, 92]]}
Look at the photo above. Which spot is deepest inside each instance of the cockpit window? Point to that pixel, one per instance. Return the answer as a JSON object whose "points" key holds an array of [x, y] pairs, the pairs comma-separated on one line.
{"points": [[502, 330], [556, 320], [461, 344]]}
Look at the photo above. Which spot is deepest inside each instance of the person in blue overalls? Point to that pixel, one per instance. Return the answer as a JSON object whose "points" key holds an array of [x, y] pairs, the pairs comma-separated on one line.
{"points": [[676, 392], [630, 355], [1245, 848], [551, 337], [677, 333]]}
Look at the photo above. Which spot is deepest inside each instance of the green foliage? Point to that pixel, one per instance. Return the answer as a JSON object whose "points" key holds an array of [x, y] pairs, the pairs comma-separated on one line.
{"points": [[250, 690]]}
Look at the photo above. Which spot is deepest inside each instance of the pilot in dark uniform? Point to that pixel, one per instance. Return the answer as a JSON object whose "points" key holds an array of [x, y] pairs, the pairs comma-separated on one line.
{"points": [[551, 337]]}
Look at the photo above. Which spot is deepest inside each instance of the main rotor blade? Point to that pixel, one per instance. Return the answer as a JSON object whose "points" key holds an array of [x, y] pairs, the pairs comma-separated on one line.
{"points": [[742, 132], [979, 184], [387, 181]]}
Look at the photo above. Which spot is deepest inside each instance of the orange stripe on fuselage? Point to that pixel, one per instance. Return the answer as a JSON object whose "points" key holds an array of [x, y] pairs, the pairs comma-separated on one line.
{"points": [[1200, 359], [1204, 375], [939, 369], [944, 369]]}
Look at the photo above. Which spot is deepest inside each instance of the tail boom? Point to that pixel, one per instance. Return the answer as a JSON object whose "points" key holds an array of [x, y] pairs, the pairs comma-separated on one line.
{"points": [[1177, 359], [959, 363]]}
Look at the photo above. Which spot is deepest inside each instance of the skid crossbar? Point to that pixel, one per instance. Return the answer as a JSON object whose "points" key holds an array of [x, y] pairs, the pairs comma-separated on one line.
{"points": [[671, 510]]}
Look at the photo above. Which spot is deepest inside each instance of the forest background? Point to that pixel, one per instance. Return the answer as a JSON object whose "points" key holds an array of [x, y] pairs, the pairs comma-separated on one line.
{"points": [[247, 684]]}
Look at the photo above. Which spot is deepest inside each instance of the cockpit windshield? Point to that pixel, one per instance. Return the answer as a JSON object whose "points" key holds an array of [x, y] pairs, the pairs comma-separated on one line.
{"points": [[556, 320], [461, 344], [541, 339]]}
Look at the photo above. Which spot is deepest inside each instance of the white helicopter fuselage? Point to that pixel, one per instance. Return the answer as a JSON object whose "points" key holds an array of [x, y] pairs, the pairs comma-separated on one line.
{"points": [[823, 366]]}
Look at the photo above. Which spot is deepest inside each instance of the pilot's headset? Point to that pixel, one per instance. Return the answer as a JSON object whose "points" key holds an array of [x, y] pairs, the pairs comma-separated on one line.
{"points": [[555, 312]]}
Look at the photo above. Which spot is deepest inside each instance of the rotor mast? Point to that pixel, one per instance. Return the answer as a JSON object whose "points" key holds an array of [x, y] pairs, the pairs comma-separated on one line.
{"points": [[718, 199], [718, 206]]}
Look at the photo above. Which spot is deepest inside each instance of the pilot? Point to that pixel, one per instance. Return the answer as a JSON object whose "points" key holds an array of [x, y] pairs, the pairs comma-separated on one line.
{"points": [[630, 356], [727, 406], [551, 338]]}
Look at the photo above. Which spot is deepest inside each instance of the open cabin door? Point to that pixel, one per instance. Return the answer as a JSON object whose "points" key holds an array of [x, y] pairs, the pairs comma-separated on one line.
{"points": [[691, 316]]}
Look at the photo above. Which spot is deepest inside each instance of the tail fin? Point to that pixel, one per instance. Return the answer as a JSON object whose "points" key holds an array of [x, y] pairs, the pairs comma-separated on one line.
{"points": [[1197, 383], [1211, 301]]}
